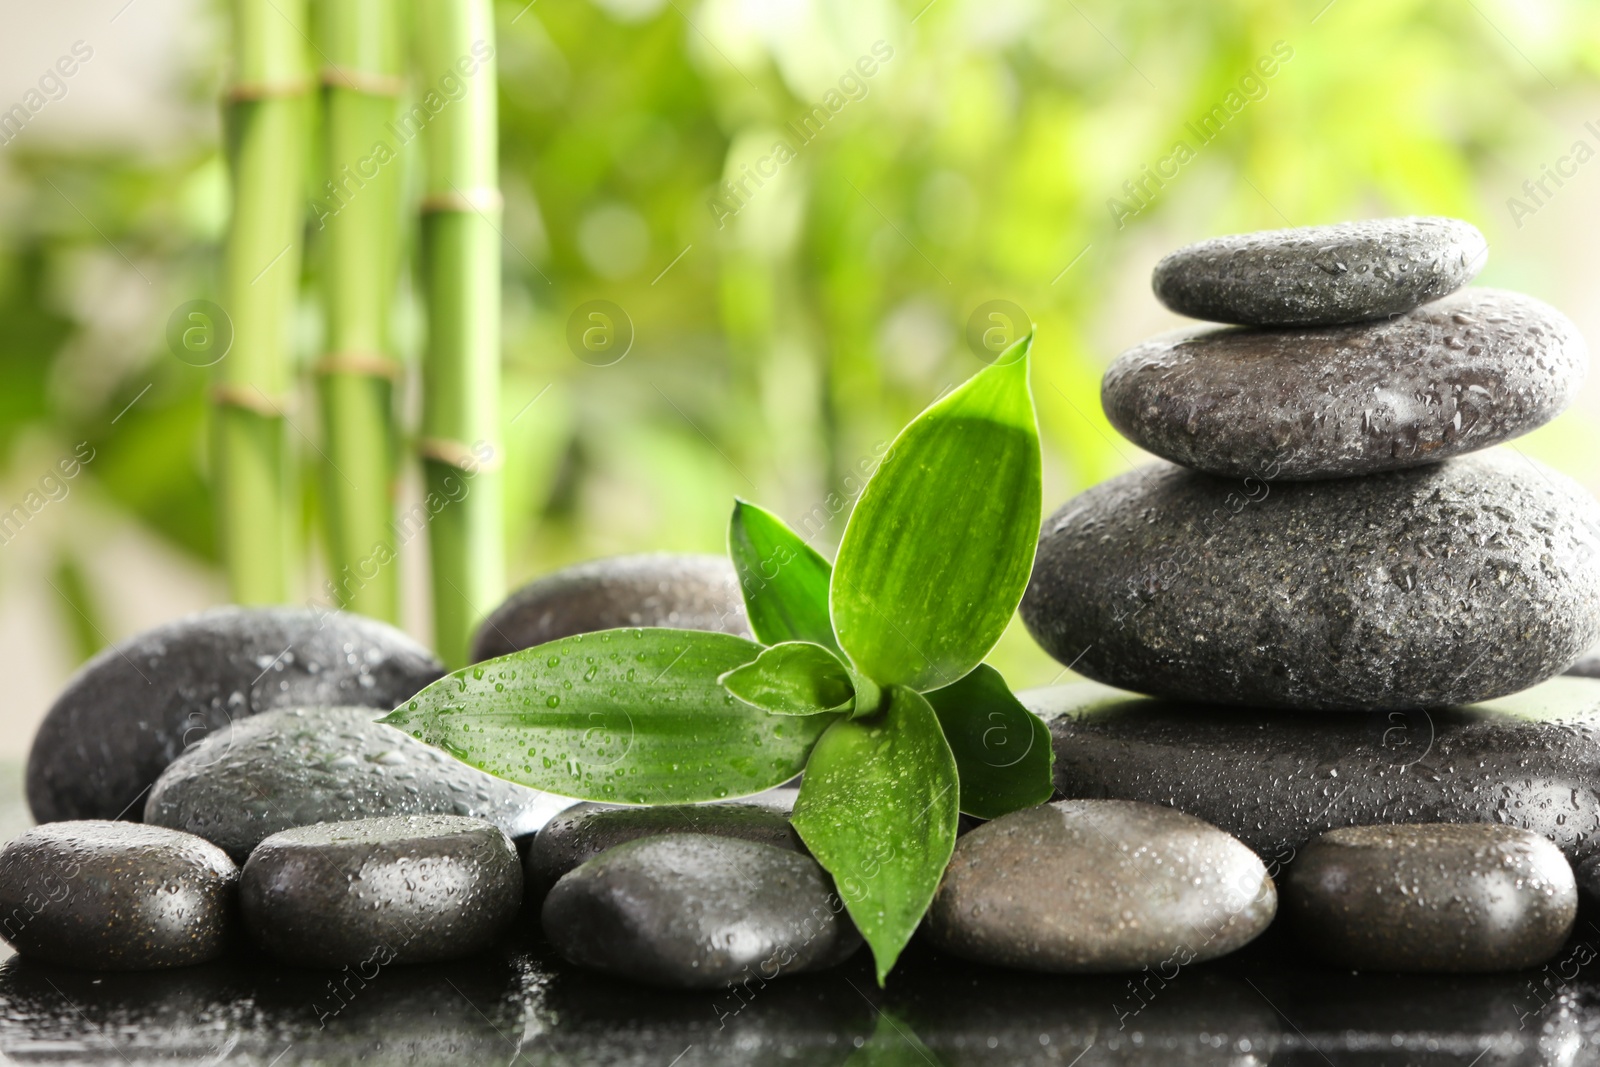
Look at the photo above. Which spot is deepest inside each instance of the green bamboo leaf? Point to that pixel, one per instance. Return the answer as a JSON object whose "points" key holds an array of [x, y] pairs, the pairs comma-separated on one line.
{"points": [[794, 678], [634, 716], [1002, 749], [939, 548], [785, 580], [878, 809]]}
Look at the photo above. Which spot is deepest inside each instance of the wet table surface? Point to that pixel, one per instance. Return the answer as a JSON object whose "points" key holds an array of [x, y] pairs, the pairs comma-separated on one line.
{"points": [[1260, 1006]]}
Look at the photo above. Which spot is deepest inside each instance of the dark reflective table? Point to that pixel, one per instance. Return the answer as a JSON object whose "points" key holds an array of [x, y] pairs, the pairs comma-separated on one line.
{"points": [[521, 1005]]}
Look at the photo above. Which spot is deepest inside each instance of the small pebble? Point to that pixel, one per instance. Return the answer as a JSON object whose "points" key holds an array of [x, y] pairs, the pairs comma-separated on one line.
{"points": [[1099, 886], [133, 708], [1432, 897], [116, 896], [301, 766], [399, 889], [583, 831], [699, 912], [684, 592]]}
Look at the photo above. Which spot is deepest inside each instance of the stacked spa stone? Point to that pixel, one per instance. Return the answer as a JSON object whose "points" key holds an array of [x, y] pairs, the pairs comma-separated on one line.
{"points": [[1334, 561]]}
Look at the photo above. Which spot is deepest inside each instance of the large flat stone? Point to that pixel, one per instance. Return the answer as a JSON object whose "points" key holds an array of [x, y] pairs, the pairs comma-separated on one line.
{"points": [[1446, 584], [1276, 779]]}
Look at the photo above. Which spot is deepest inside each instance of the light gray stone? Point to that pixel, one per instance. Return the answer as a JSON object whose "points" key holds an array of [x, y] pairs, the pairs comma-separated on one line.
{"points": [[1099, 886]]}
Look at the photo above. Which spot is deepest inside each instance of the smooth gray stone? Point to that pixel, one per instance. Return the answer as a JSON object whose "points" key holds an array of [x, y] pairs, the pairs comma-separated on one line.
{"points": [[1432, 897], [584, 831], [300, 766], [1311, 275], [1446, 584], [1477, 368], [116, 896], [1276, 780], [134, 707], [699, 912], [398, 889], [1096, 886], [684, 592]]}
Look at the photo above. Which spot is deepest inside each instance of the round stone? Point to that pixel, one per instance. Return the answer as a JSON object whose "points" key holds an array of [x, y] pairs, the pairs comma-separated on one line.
{"points": [[699, 912], [1276, 781], [116, 896], [1099, 886], [300, 766], [135, 706], [1315, 275], [1477, 368], [1444, 584], [1432, 897], [685, 592], [583, 831], [398, 889]]}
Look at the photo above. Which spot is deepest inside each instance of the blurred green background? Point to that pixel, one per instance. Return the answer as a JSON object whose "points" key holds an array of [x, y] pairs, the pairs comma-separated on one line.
{"points": [[777, 346]]}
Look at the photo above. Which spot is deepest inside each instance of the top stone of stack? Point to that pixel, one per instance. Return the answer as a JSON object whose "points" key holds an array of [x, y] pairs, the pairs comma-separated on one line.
{"points": [[1321, 275]]}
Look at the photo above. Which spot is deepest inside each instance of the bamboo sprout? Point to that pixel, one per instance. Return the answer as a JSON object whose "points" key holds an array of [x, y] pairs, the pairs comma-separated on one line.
{"points": [[358, 213], [460, 272], [266, 132]]}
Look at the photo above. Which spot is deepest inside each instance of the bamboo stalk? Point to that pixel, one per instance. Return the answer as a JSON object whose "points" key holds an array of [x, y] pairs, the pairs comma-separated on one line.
{"points": [[460, 272], [358, 214], [266, 130]]}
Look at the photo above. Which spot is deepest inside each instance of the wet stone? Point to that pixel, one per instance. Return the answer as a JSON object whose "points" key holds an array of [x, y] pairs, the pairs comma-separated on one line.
{"points": [[1277, 780], [133, 708], [1431, 897], [1446, 584], [1314, 275], [116, 896], [685, 592], [301, 766], [584, 831], [400, 889], [696, 911], [1477, 368], [1099, 886]]}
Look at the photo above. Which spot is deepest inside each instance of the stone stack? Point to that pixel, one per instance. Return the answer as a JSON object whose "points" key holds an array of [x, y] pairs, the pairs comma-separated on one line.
{"points": [[1337, 558]]}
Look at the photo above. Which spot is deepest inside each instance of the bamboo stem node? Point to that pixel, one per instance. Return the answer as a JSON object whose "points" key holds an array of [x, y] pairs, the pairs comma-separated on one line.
{"points": [[250, 398], [460, 454], [244, 92], [365, 364], [372, 83], [485, 200]]}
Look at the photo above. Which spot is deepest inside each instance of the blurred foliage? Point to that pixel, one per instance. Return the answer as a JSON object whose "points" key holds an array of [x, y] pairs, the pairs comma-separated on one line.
{"points": [[775, 352]]}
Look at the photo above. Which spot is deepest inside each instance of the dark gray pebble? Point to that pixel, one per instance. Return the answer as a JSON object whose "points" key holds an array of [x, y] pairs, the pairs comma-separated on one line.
{"points": [[116, 896], [400, 889], [1275, 781], [699, 912], [300, 766], [135, 706], [1445, 584], [583, 831], [1431, 897], [1310, 275], [685, 592], [1100, 886], [1477, 368]]}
